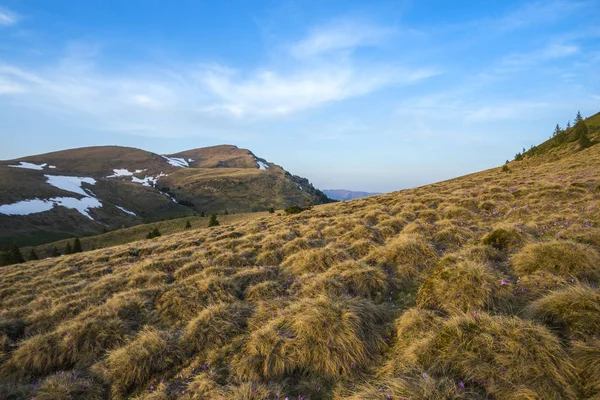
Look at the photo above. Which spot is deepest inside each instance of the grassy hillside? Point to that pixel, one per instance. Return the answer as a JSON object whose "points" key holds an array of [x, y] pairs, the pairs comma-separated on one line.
{"points": [[480, 287], [139, 232], [128, 186]]}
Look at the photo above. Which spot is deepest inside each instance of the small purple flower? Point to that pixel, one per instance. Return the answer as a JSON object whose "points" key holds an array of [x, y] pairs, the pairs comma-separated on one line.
{"points": [[461, 385]]}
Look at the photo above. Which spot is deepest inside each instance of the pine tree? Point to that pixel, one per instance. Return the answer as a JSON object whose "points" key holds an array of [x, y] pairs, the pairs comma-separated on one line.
{"points": [[271, 210], [202, 214], [54, 252], [226, 212], [557, 131], [153, 233], [32, 255], [568, 125], [15, 256], [578, 118], [584, 141], [213, 221], [187, 224], [77, 246], [4, 258], [68, 248]]}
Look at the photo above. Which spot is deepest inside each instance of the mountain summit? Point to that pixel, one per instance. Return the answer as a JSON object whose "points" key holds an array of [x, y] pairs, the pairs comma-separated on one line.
{"points": [[93, 189]]}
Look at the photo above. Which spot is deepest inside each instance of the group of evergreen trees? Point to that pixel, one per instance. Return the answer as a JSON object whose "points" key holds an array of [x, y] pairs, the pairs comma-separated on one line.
{"points": [[578, 132], [14, 255], [11, 256]]}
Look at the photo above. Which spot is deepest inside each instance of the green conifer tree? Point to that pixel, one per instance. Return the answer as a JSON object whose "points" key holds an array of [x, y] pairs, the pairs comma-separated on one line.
{"points": [[213, 221], [187, 224], [15, 256], [68, 248], [77, 246], [32, 255], [54, 252]]}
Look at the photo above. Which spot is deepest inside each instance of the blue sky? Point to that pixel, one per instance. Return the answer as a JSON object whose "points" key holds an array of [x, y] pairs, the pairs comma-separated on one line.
{"points": [[376, 96]]}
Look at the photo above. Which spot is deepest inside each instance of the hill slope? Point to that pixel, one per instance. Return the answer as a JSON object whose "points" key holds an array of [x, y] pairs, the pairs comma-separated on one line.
{"points": [[90, 190], [479, 287]]}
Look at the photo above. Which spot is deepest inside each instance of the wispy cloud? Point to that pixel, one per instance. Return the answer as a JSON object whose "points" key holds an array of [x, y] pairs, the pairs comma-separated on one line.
{"points": [[7, 17], [551, 51], [540, 12], [271, 93], [159, 103], [340, 35]]}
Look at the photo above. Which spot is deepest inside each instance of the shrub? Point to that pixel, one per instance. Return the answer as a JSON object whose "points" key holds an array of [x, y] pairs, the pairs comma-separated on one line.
{"points": [[503, 239], [293, 210], [332, 337], [575, 310], [559, 257], [213, 221], [458, 287], [509, 357], [153, 234], [188, 225], [271, 210]]}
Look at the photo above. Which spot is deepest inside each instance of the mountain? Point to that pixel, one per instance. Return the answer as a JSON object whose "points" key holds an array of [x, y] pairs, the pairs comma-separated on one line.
{"points": [[481, 287], [91, 190], [343, 194]]}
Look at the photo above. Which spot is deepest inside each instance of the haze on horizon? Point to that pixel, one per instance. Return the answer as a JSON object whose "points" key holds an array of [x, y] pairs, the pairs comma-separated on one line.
{"points": [[373, 97]]}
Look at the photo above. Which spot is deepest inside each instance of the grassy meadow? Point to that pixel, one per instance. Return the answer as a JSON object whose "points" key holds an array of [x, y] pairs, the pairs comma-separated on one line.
{"points": [[480, 287], [138, 232]]}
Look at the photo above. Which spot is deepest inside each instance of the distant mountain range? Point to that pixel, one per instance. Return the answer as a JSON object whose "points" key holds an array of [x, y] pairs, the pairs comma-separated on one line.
{"points": [[90, 190], [342, 194]]}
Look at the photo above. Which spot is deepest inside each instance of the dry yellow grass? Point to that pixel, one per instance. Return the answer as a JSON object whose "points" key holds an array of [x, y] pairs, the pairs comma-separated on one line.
{"points": [[481, 287]]}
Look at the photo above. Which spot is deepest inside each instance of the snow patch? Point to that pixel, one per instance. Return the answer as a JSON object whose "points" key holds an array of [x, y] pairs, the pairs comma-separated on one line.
{"points": [[36, 205], [70, 183], [26, 207], [176, 162], [299, 187], [125, 211], [190, 160], [148, 180], [261, 165], [121, 172], [52, 166], [27, 165]]}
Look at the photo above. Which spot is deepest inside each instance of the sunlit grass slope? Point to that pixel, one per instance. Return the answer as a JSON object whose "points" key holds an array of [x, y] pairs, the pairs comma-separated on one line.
{"points": [[138, 232], [481, 287]]}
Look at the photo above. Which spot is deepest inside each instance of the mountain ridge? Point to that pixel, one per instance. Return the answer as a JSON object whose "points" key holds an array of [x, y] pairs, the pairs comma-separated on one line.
{"points": [[89, 190]]}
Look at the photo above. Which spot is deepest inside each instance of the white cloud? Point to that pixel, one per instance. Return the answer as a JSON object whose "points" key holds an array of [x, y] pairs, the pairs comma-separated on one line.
{"points": [[7, 17], [189, 97], [540, 12], [552, 51], [341, 35], [271, 93]]}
